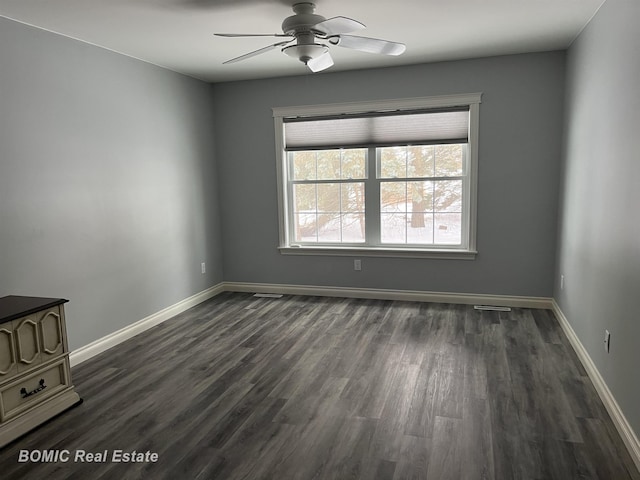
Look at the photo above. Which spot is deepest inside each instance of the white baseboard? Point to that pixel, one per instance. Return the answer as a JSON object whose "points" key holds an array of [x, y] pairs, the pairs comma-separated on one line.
{"points": [[94, 348], [629, 437], [386, 294]]}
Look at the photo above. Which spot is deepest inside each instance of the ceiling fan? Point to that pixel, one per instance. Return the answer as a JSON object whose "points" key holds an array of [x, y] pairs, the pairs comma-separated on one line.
{"points": [[313, 34]]}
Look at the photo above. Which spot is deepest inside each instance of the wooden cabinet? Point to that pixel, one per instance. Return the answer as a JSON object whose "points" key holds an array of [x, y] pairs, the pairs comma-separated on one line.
{"points": [[35, 376]]}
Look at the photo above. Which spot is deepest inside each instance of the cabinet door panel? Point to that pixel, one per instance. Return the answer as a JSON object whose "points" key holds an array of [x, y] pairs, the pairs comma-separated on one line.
{"points": [[51, 333], [27, 340], [8, 363]]}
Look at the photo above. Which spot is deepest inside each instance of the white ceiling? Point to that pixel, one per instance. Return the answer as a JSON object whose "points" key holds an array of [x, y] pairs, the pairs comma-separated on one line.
{"points": [[178, 34]]}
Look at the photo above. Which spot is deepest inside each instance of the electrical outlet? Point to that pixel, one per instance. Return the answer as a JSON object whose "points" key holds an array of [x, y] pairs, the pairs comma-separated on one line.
{"points": [[357, 264], [561, 282], [203, 267], [607, 340]]}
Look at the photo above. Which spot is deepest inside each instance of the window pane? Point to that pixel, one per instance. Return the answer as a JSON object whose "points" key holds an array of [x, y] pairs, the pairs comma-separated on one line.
{"points": [[329, 212], [448, 228], [305, 229], [329, 227], [420, 228], [424, 212], [448, 196], [393, 162], [420, 196], [406, 196], [354, 163], [304, 198], [420, 161], [304, 165], [328, 164], [352, 197], [393, 196], [393, 228], [353, 228], [328, 197], [448, 160]]}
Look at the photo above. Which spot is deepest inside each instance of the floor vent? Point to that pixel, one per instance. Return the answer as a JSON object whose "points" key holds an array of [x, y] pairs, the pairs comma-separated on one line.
{"points": [[267, 295], [492, 308]]}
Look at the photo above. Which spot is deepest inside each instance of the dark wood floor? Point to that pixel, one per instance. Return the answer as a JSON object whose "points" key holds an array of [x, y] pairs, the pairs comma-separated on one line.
{"points": [[322, 388]]}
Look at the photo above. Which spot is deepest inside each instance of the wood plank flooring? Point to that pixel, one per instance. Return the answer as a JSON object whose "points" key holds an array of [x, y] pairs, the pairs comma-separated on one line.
{"points": [[324, 388]]}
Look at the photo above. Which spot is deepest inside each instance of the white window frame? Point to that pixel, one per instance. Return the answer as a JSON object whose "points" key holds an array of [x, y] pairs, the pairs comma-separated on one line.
{"points": [[467, 251]]}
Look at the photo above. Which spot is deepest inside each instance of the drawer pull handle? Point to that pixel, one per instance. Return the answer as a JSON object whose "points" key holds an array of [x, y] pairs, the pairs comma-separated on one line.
{"points": [[40, 387]]}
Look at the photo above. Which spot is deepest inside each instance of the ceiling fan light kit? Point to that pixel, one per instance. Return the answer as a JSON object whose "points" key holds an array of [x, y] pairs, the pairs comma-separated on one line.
{"points": [[309, 30], [304, 53]]}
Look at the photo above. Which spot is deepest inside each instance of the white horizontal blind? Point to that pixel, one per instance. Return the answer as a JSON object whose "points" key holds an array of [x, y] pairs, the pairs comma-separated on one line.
{"points": [[377, 129]]}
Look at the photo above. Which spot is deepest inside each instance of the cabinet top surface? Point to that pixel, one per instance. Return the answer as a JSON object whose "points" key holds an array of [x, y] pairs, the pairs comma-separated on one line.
{"points": [[14, 306]]}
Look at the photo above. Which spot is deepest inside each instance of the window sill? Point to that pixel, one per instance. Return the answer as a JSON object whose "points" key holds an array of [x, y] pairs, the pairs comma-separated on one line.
{"points": [[444, 254]]}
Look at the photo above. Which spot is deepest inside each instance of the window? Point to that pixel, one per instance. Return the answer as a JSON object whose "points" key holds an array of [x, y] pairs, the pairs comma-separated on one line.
{"points": [[327, 193], [421, 191], [394, 178]]}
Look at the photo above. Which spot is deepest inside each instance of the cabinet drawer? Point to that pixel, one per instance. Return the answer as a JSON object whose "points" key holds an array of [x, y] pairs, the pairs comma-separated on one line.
{"points": [[26, 392]]}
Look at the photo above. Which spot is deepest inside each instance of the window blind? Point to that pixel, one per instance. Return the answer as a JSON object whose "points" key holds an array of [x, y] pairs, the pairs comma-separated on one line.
{"points": [[377, 129]]}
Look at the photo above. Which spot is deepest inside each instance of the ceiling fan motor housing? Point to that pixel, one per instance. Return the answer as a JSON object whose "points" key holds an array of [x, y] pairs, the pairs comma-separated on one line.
{"points": [[303, 19], [300, 26]]}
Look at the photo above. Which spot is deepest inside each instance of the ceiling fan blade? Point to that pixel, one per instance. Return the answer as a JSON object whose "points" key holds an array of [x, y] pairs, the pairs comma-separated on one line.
{"points": [[323, 62], [371, 45], [337, 25], [251, 35], [256, 52]]}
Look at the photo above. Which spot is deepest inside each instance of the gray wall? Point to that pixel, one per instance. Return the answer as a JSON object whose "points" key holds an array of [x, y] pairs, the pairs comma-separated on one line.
{"points": [[108, 190], [519, 157], [599, 236]]}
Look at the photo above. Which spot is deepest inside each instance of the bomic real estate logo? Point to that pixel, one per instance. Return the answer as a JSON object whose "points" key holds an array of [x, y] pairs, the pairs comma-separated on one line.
{"points": [[82, 456]]}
